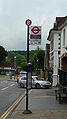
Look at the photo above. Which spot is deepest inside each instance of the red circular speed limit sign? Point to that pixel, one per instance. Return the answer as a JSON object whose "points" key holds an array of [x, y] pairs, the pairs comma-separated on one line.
{"points": [[28, 22]]}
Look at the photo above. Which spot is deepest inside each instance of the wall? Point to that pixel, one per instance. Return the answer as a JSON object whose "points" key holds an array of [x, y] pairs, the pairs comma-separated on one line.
{"points": [[55, 66], [62, 39]]}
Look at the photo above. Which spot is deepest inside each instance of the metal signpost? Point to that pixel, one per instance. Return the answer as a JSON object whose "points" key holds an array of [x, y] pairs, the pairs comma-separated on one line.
{"points": [[29, 74], [35, 38], [29, 68], [28, 23]]}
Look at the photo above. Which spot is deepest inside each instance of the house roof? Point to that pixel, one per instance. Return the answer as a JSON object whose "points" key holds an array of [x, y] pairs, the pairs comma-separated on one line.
{"points": [[58, 23]]}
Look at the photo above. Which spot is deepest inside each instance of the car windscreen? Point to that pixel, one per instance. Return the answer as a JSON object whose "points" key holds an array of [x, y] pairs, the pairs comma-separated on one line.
{"points": [[23, 78], [39, 78]]}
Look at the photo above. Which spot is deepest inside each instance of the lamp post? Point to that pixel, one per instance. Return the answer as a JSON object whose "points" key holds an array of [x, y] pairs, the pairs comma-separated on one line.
{"points": [[14, 65]]}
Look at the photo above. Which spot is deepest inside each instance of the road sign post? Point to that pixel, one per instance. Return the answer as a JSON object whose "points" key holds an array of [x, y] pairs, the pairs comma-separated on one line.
{"points": [[28, 23], [29, 74]]}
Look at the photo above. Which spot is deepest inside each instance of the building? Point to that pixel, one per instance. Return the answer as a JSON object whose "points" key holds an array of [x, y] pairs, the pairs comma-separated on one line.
{"points": [[47, 56], [58, 44], [63, 55], [46, 62], [7, 67]]}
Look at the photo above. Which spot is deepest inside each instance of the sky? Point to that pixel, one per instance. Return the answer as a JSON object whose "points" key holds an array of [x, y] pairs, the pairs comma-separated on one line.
{"points": [[14, 13]]}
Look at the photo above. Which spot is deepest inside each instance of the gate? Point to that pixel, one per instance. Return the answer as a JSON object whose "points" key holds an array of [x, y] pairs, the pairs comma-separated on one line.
{"points": [[62, 77]]}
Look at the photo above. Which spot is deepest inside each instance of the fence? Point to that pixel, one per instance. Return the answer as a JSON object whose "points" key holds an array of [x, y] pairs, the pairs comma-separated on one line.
{"points": [[62, 77]]}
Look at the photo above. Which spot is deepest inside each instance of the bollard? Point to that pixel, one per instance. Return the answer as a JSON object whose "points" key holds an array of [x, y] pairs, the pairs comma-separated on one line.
{"points": [[16, 77], [11, 76]]}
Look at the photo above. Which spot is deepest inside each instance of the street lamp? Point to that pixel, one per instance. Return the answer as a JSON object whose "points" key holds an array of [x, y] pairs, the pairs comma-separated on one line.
{"points": [[15, 63], [14, 66]]}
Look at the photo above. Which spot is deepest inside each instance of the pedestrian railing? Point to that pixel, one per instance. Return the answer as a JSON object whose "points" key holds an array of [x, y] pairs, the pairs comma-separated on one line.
{"points": [[61, 93]]}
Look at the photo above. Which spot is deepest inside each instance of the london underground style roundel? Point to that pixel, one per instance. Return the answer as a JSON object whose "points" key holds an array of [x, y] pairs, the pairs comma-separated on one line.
{"points": [[35, 29]]}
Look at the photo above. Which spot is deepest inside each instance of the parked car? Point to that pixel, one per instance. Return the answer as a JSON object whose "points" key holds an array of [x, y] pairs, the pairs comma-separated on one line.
{"points": [[21, 73], [36, 82]]}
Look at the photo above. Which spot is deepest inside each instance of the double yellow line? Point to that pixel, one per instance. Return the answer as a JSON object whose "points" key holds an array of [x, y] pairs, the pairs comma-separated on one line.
{"points": [[9, 110]]}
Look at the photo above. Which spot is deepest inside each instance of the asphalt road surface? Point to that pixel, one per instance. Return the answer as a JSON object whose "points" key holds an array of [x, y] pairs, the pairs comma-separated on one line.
{"points": [[9, 92]]}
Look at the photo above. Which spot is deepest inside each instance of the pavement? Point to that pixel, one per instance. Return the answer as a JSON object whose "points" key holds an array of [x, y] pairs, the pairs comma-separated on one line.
{"points": [[43, 105]]}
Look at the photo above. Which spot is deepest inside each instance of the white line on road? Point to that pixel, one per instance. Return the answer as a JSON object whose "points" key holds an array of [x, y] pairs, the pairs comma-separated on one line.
{"points": [[3, 81], [13, 106], [4, 88], [39, 97], [12, 84]]}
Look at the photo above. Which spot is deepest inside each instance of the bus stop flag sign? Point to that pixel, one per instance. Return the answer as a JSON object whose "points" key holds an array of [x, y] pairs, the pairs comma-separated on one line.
{"points": [[35, 35]]}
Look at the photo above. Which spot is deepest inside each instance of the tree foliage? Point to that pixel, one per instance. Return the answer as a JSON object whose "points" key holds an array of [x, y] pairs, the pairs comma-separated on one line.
{"points": [[3, 53], [38, 59]]}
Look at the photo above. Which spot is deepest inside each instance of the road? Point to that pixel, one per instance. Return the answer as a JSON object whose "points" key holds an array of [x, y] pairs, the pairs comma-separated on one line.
{"points": [[9, 92]]}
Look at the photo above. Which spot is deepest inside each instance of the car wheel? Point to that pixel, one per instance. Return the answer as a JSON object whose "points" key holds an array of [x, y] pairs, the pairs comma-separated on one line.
{"points": [[38, 85], [22, 85]]}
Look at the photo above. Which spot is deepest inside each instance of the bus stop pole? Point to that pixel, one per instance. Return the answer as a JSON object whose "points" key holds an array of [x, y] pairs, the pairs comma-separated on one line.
{"points": [[27, 111], [27, 44], [27, 63]]}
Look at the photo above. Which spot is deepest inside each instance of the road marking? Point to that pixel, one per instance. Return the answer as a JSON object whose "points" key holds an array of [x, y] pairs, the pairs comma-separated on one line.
{"points": [[9, 110], [12, 84], [39, 97], [4, 88], [7, 87], [3, 81]]}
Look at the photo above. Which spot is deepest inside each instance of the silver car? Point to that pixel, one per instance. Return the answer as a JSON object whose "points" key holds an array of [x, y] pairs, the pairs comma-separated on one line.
{"points": [[36, 82]]}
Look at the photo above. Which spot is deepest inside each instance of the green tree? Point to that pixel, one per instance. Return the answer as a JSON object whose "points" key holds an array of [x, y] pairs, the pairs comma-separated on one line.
{"points": [[24, 64], [38, 59], [19, 58], [3, 53]]}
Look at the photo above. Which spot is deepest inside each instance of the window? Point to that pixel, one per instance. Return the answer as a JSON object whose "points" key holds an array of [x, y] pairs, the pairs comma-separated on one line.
{"points": [[59, 62], [64, 37], [58, 52]]}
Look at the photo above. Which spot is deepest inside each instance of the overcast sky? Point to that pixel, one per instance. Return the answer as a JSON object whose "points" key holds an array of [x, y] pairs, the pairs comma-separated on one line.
{"points": [[13, 14]]}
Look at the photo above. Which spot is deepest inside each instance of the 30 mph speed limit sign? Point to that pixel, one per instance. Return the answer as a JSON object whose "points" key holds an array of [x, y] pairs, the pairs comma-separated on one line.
{"points": [[28, 22]]}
